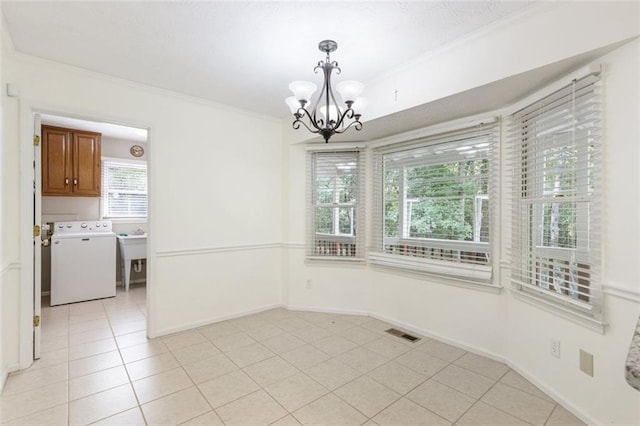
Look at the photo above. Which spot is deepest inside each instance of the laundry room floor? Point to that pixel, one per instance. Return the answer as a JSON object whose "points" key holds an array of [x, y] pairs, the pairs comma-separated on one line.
{"points": [[276, 367]]}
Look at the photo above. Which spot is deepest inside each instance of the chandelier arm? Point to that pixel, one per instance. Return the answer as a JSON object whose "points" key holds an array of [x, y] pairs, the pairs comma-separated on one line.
{"points": [[296, 125], [319, 123], [356, 125], [328, 93], [299, 115], [349, 113], [340, 115]]}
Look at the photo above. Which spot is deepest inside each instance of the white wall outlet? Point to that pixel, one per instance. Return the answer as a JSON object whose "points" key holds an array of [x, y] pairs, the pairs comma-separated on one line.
{"points": [[555, 348], [308, 284]]}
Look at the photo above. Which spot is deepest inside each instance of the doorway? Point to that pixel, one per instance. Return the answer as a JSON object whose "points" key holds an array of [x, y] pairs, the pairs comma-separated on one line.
{"points": [[119, 199]]}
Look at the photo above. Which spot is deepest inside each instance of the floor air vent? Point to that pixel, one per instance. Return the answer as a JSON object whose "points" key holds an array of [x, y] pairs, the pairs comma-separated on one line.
{"points": [[402, 334]]}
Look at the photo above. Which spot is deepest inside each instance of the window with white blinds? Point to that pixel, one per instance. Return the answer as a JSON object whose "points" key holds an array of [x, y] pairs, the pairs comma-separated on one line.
{"points": [[335, 219], [555, 155], [434, 202], [124, 189]]}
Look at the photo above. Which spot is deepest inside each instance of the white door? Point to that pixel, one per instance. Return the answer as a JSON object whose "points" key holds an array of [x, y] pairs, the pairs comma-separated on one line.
{"points": [[37, 239]]}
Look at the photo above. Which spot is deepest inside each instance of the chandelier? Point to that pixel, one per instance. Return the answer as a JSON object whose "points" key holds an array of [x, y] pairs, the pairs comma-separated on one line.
{"points": [[328, 116]]}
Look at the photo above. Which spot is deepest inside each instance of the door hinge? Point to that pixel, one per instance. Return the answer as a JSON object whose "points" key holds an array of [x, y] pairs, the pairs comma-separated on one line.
{"points": [[36, 140], [36, 230], [36, 321]]}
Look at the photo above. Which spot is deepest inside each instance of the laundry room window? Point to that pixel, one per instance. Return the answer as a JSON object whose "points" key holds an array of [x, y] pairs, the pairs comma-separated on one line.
{"points": [[124, 189]]}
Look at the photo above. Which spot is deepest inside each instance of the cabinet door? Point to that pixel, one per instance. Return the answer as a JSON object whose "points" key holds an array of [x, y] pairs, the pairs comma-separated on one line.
{"points": [[57, 174], [86, 164]]}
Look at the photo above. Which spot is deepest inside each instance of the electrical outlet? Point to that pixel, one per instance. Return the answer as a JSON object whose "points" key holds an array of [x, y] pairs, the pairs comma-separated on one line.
{"points": [[586, 362], [555, 348], [308, 284]]}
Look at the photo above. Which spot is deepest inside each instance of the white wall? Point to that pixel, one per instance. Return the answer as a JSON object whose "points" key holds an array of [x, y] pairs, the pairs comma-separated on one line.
{"points": [[120, 148], [215, 188], [9, 245], [497, 324]]}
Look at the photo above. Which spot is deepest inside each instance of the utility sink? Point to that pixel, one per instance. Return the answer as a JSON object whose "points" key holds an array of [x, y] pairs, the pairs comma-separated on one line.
{"points": [[132, 247]]}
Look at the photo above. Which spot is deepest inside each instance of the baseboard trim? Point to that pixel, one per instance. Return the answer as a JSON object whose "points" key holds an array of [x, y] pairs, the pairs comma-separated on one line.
{"points": [[138, 281], [5, 375], [325, 310], [3, 379], [196, 324], [552, 394], [469, 348]]}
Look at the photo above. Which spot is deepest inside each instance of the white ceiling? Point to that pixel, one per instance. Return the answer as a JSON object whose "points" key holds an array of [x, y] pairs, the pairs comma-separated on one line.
{"points": [[110, 130], [242, 54]]}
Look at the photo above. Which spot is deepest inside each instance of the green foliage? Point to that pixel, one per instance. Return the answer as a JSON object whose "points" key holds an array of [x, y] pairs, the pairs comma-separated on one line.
{"points": [[440, 199]]}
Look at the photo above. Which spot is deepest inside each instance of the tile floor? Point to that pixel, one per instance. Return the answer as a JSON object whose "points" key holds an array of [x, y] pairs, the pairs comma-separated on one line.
{"points": [[277, 367]]}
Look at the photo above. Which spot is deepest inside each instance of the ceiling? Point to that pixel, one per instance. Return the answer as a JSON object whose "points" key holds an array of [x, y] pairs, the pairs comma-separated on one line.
{"points": [[225, 51], [242, 54], [109, 130]]}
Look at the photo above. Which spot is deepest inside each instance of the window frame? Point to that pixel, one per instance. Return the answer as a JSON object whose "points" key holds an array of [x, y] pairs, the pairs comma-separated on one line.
{"points": [[336, 246], [533, 264], [121, 162], [480, 275]]}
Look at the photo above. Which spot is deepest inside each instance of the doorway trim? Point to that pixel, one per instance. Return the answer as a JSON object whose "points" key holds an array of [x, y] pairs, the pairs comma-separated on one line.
{"points": [[27, 109]]}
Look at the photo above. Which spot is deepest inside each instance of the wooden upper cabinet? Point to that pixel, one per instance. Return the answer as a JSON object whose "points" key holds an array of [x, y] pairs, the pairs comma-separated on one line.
{"points": [[56, 161], [70, 162], [86, 167]]}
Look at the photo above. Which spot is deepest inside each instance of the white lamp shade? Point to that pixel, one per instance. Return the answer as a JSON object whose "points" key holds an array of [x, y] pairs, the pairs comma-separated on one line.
{"points": [[350, 90], [302, 90], [293, 104], [360, 105], [333, 113]]}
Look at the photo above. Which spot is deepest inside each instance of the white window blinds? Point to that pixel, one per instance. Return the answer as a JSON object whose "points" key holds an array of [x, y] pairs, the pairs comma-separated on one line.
{"points": [[124, 189], [335, 219], [433, 203], [555, 155]]}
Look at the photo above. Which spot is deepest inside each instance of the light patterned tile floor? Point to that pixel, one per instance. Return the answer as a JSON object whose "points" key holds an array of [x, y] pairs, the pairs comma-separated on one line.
{"points": [[276, 367]]}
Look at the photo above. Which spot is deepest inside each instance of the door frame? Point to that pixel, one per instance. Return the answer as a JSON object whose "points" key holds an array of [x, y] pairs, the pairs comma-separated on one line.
{"points": [[27, 111]]}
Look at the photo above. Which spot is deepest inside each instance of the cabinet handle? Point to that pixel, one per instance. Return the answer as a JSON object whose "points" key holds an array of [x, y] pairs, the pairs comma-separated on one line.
{"points": [[75, 181], [66, 181]]}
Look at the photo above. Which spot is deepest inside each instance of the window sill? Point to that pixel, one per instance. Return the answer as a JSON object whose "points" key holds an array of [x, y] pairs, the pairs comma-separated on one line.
{"points": [[564, 311], [475, 277], [335, 261], [465, 271]]}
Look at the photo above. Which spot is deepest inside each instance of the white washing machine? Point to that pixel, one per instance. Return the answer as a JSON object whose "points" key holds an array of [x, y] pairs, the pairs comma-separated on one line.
{"points": [[83, 261]]}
